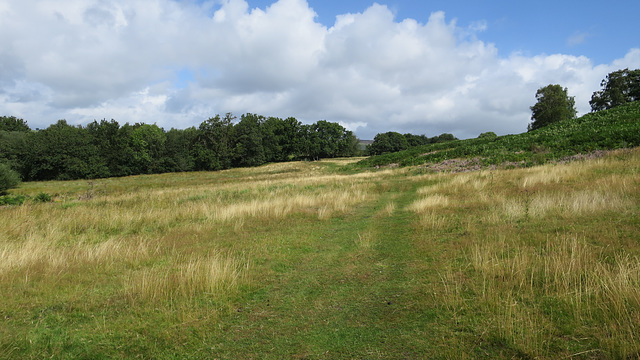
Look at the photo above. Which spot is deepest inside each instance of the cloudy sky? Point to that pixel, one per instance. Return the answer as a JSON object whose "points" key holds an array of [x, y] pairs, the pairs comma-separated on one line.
{"points": [[424, 67]]}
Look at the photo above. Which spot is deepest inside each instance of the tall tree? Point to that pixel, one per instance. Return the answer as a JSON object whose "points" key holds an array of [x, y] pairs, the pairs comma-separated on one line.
{"points": [[178, 154], [554, 104], [618, 88], [249, 150], [214, 147]]}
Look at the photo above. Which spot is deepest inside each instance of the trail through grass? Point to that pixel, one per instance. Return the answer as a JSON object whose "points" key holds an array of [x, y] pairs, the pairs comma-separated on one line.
{"points": [[296, 261]]}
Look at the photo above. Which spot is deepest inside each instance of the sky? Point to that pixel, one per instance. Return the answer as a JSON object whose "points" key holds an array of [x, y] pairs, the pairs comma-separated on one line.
{"points": [[420, 67]]}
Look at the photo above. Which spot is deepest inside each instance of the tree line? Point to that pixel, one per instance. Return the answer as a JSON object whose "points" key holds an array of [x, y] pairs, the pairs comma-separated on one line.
{"points": [[107, 149]]}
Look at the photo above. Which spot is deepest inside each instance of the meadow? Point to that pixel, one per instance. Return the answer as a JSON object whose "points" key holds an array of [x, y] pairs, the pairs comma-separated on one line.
{"points": [[306, 260]]}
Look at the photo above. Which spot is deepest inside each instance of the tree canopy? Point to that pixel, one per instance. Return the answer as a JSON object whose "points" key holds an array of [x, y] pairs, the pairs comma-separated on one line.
{"points": [[618, 88], [12, 123], [105, 149], [554, 104]]}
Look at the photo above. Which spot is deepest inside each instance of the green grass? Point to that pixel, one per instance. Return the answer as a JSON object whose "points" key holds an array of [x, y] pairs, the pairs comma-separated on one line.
{"points": [[300, 260]]}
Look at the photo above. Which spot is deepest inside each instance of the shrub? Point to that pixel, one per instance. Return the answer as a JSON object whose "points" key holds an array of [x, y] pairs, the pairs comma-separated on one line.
{"points": [[488, 135], [8, 178], [42, 197], [12, 200]]}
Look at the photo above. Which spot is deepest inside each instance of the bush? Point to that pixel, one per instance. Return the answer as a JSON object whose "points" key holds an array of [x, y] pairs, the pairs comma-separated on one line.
{"points": [[12, 200], [42, 197], [9, 179]]}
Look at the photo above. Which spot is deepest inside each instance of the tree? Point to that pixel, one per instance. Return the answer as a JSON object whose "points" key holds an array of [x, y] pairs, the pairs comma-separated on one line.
{"points": [[11, 123], [416, 140], [147, 143], [554, 104], [388, 142], [8, 178], [178, 150], [213, 149], [13, 148], [249, 150], [618, 88], [62, 152]]}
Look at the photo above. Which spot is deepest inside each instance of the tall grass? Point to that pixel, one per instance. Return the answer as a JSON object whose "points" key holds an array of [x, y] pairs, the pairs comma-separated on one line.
{"points": [[298, 260], [186, 279], [545, 255], [599, 290]]}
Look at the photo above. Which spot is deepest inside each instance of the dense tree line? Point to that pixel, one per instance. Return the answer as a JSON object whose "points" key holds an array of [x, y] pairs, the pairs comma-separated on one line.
{"points": [[393, 141], [106, 148]]}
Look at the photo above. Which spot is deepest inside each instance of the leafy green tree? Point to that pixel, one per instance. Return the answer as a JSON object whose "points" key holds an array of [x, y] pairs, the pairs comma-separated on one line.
{"points": [[111, 145], [310, 144], [332, 140], [274, 138], [11, 123], [13, 148], [214, 146], [348, 144], [62, 152], [9, 179], [249, 150], [179, 156], [147, 143], [618, 88], [292, 137], [554, 104], [416, 140], [388, 142]]}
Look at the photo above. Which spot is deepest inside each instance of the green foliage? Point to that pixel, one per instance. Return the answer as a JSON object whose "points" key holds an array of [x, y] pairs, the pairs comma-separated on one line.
{"points": [[12, 200], [9, 179], [610, 129], [62, 152], [554, 104], [619, 87], [106, 149], [42, 198], [13, 147], [11, 123], [388, 142], [248, 149], [488, 135]]}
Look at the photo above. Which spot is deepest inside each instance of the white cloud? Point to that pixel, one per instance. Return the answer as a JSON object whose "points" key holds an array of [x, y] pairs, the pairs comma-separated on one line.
{"points": [[92, 59]]}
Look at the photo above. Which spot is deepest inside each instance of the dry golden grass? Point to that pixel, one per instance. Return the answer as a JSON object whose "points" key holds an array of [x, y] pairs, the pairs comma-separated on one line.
{"points": [[186, 279], [568, 269], [147, 222]]}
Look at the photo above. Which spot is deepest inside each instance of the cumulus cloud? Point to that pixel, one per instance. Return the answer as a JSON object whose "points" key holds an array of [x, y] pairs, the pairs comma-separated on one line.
{"points": [[176, 63]]}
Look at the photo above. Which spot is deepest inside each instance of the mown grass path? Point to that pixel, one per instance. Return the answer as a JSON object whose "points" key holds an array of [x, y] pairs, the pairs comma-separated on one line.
{"points": [[346, 289]]}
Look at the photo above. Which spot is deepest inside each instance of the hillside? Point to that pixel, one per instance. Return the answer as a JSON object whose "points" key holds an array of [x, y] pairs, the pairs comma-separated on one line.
{"points": [[603, 130]]}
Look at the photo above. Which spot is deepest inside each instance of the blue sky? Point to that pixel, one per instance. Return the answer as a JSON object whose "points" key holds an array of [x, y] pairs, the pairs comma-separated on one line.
{"points": [[600, 30], [423, 67]]}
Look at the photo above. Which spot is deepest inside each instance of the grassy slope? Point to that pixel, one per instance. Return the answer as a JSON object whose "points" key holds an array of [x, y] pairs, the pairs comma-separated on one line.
{"points": [[294, 261], [604, 130]]}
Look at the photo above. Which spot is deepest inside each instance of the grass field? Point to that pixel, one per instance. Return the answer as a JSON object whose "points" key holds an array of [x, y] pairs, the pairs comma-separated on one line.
{"points": [[303, 261]]}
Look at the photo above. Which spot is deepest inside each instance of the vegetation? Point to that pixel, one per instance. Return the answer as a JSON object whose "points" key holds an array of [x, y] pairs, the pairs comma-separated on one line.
{"points": [[604, 130], [294, 260], [393, 142], [106, 149], [620, 87], [553, 105], [8, 178]]}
